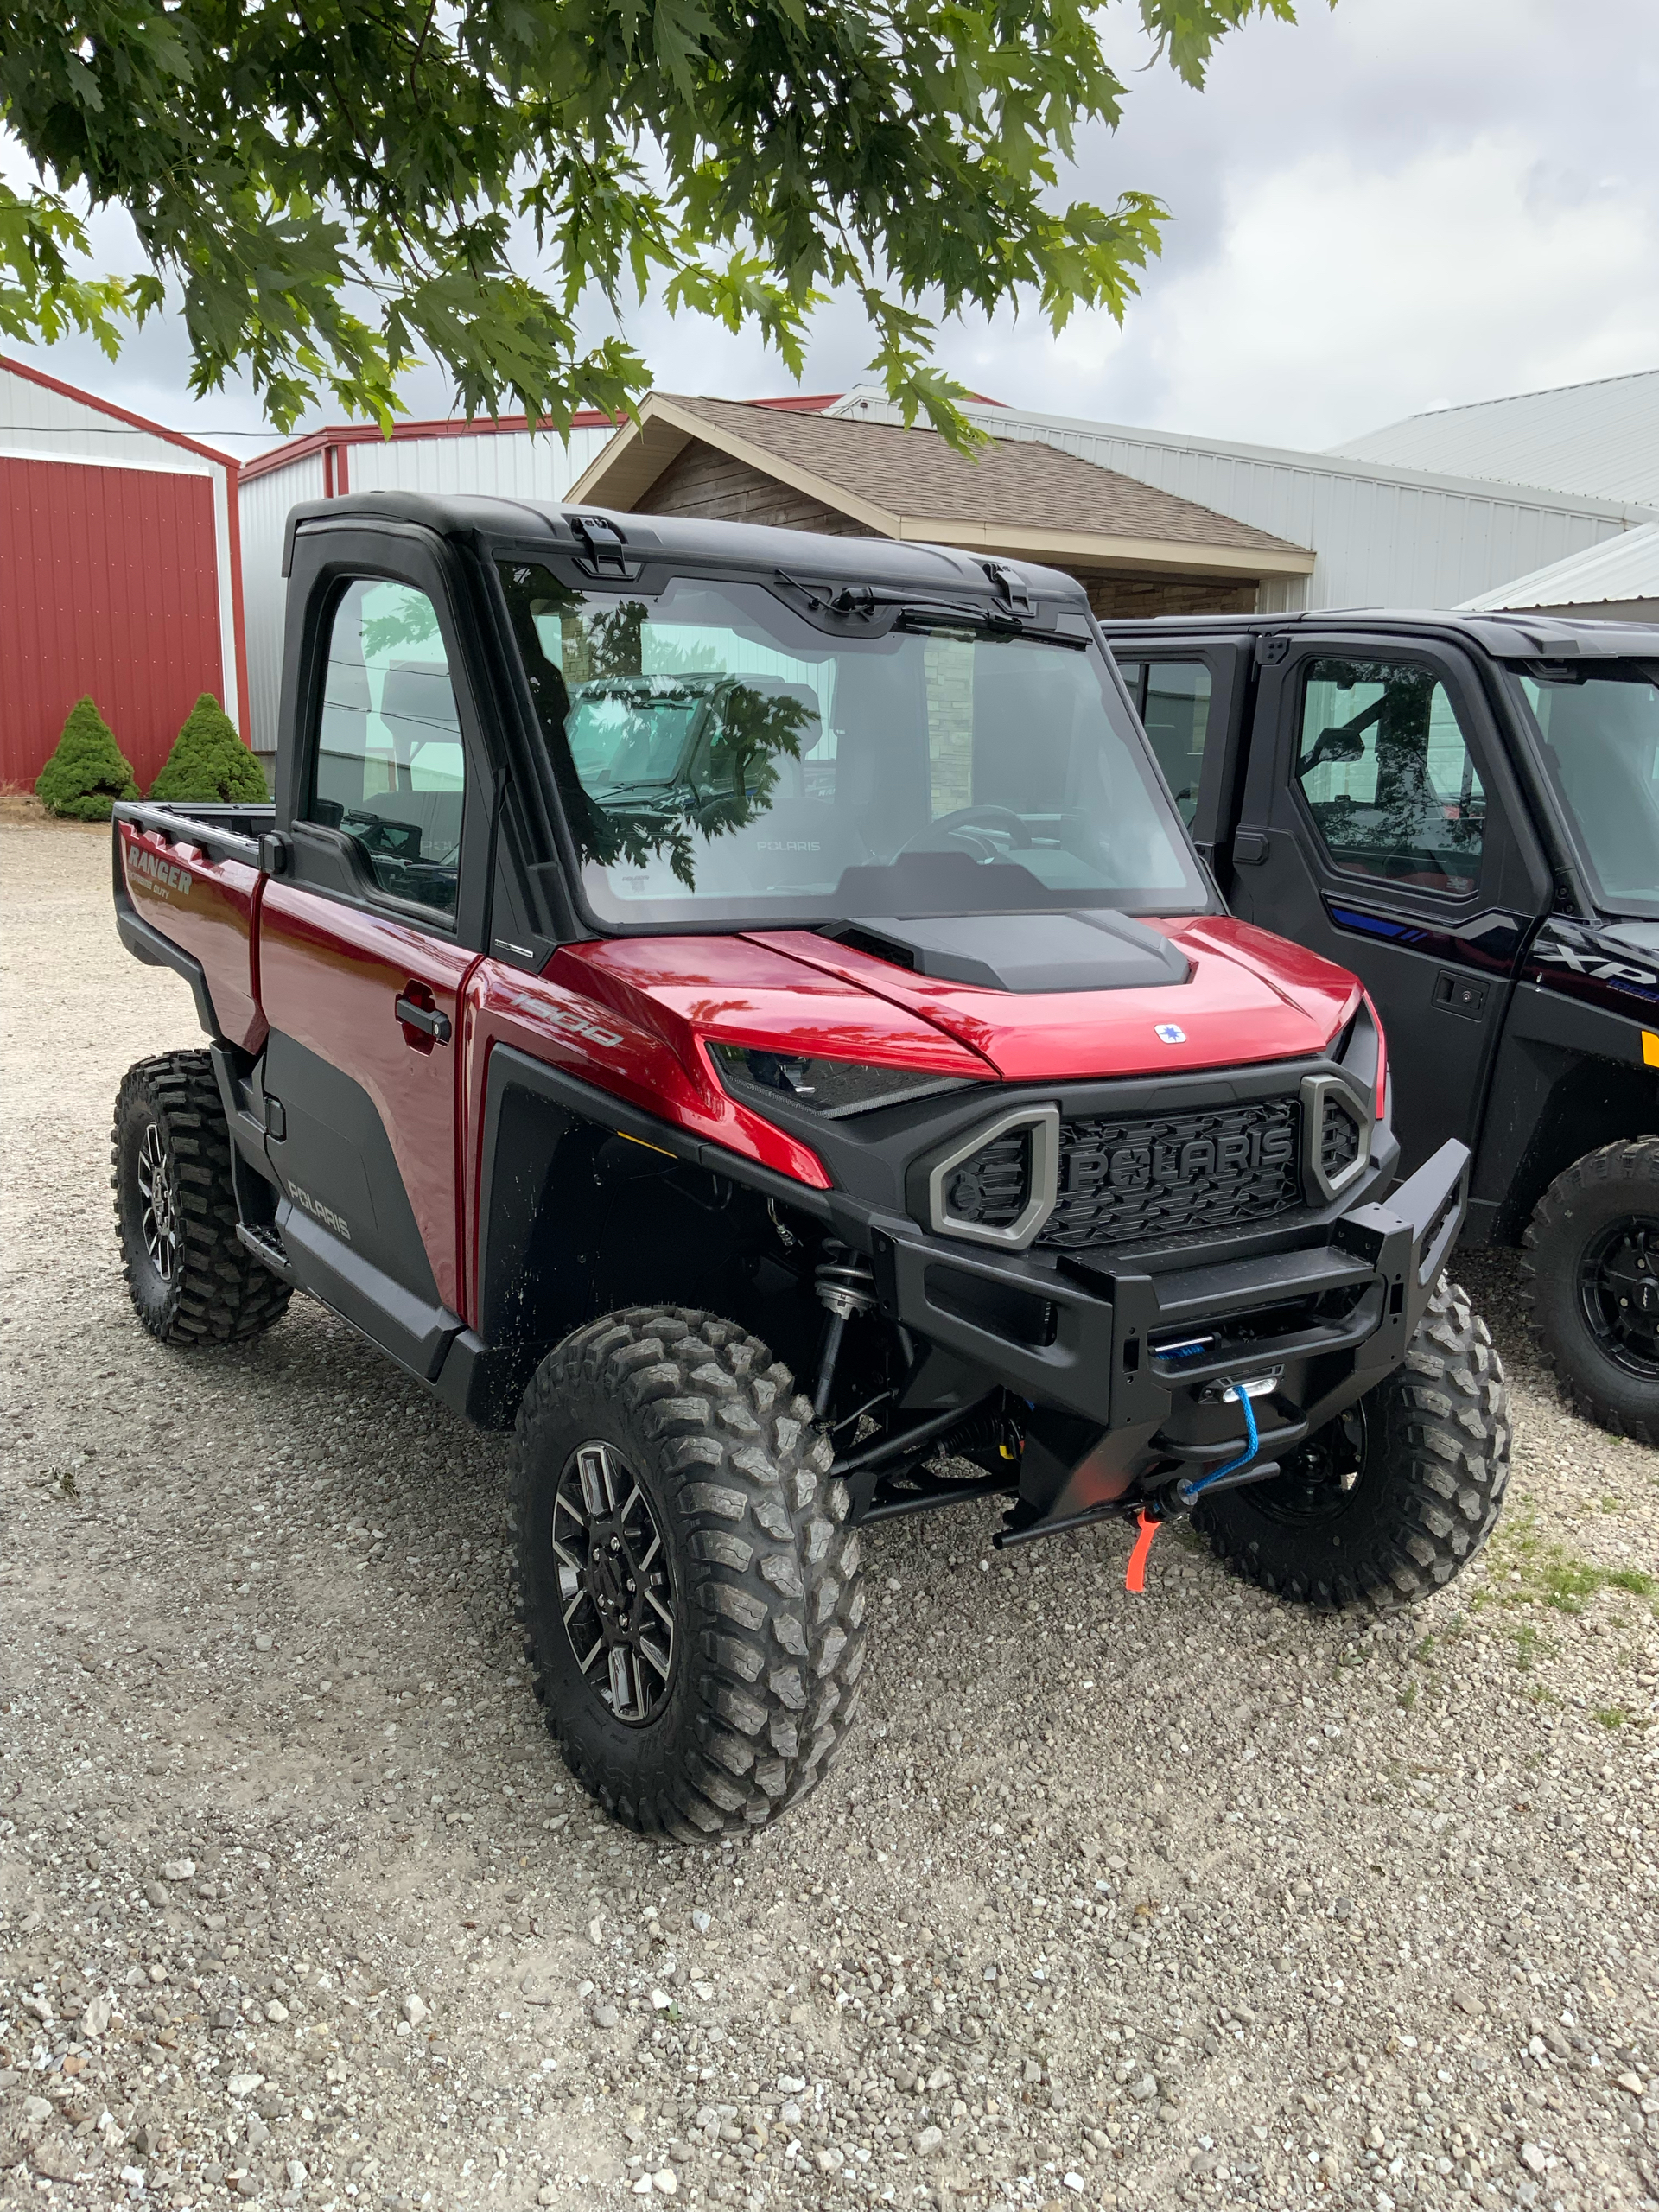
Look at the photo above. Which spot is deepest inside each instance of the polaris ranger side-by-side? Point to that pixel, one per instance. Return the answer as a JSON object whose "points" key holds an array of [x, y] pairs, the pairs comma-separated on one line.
{"points": [[741, 1008], [1465, 808]]}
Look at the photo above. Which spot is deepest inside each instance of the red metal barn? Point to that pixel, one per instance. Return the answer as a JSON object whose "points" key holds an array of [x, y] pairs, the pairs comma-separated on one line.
{"points": [[120, 574]]}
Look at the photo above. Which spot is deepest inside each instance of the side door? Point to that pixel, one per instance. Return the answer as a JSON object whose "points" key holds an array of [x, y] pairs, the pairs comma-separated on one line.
{"points": [[368, 935], [1382, 827], [1190, 697]]}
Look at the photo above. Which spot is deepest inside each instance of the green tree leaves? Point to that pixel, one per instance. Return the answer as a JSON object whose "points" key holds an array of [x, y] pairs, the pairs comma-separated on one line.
{"points": [[337, 189]]}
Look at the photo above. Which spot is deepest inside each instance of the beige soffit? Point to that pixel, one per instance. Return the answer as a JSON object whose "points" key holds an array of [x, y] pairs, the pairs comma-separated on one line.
{"points": [[622, 475]]}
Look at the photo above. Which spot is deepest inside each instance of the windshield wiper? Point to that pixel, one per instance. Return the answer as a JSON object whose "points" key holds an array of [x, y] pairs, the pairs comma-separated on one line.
{"points": [[853, 601], [864, 599]]}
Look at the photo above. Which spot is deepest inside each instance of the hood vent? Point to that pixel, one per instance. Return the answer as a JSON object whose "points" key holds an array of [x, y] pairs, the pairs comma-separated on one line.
{"points": [[1025, 953]]}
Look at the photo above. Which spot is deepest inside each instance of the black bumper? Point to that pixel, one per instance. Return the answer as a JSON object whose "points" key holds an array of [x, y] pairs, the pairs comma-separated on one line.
{"points": [[1092, 1347]]}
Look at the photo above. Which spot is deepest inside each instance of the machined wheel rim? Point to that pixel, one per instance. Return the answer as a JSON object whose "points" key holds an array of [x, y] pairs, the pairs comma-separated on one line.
{"points": [[1319, 1478], [615, 1598], [1618, 1294], [157, 1202]]}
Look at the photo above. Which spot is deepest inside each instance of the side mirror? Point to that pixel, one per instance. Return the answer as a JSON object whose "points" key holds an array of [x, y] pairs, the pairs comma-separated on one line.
{"points": [[1334, 744]]}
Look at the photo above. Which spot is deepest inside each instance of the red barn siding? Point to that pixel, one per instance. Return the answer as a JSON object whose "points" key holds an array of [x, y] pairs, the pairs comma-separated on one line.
{"points": [[108, 584]]}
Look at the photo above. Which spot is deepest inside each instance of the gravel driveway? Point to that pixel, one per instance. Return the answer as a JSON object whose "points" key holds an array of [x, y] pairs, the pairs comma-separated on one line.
{"points": [[1112, 1902]]}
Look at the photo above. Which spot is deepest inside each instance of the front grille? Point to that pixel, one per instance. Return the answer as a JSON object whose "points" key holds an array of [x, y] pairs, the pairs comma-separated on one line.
{"points": [[1145, 1181], [1173, 1174]]}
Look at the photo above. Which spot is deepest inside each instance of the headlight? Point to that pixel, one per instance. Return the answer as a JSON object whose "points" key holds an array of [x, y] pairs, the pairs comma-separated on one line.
{"points": [[832, 1088]]}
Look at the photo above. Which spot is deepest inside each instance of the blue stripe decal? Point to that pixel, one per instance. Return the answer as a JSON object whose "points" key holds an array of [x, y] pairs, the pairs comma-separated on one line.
{"points": [[1348, 918]]}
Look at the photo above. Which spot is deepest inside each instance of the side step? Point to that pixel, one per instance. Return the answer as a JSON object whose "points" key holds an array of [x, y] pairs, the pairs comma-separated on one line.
{"points": [[267, 1245]]}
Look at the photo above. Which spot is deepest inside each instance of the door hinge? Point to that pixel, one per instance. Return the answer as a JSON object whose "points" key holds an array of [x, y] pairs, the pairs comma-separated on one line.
{"points": [[1270, 649]]}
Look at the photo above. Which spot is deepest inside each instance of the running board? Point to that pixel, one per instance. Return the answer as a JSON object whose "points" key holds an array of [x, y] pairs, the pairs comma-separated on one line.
{"points": [[265, 1244]]}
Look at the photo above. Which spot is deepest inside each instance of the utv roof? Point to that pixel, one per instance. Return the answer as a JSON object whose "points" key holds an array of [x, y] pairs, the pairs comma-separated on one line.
{"points": [[540, 526], [1504, 636]]}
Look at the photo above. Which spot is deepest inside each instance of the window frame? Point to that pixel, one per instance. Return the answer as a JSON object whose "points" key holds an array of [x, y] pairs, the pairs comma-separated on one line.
{"points": [[1297, 677], [329, 862]]}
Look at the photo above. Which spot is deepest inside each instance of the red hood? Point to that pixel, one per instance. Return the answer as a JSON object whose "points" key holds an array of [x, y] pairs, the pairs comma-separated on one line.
{"points": [[1249, 997]]}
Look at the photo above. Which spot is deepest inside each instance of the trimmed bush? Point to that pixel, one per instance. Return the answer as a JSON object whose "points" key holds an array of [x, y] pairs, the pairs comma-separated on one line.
{"points": [[87, 771], [209, 761]]}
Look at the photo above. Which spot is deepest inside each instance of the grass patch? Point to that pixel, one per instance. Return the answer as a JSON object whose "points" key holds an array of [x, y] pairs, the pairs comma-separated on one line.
{"points": [[1529, 1568], [1531, 1645], [1611, 1716]]}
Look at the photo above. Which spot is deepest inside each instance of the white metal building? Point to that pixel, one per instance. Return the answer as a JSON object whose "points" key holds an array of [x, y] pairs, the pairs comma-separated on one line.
{"points": [[1382, 534], [504, 459], [1615, 583], [1601, 439], [1384, 530]]}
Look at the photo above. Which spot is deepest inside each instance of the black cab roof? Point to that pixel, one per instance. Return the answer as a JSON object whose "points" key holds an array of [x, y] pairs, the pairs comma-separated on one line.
{"points": [[1504, 636], [542, 527]]}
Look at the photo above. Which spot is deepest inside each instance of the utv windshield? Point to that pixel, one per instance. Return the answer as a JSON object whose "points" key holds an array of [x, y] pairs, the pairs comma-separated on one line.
{"points": [[1600, 731], [720, 757]]}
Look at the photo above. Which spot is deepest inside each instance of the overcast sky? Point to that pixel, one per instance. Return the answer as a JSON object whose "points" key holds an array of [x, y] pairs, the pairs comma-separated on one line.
{"points": [[1395, 204]]}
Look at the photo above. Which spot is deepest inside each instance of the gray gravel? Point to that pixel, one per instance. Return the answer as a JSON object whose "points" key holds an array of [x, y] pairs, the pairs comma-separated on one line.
{"points": [[1112, 1902]]}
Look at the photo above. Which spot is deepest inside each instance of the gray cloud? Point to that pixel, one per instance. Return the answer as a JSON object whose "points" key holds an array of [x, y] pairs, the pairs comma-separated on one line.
{"points": [[1392, 205]]}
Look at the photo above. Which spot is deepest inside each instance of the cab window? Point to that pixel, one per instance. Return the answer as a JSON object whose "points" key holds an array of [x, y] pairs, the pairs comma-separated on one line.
{"points": [[1172, 700], [390, 767], [1383, 764]]}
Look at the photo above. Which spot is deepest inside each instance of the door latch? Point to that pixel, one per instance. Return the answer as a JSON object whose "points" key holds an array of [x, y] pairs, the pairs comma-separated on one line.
{"points": [[1460, 995]]}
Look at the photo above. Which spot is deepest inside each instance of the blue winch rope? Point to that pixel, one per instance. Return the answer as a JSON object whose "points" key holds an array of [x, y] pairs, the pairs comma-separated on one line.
{"points": [[1192, 1489]]}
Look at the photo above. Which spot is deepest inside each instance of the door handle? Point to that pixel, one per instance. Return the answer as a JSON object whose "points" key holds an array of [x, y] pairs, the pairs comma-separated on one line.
{"points": [[426, 1019], [1249, 849]]}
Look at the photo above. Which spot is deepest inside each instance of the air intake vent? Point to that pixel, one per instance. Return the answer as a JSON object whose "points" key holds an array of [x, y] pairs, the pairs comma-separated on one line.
{"points": [[992, 1187], [1339, 1139], [997, 1186], [1339, 1134]]}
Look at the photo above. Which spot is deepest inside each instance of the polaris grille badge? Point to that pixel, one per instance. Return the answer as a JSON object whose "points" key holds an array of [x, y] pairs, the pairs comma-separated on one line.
{"points": [[1170, 1033]]}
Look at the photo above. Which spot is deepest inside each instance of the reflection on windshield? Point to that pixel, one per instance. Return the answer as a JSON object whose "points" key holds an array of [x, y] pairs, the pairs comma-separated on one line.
{"points": [[716, 753], [1601, 748]]}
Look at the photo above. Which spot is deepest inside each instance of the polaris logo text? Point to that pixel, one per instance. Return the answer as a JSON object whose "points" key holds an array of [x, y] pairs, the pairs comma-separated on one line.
{"points": [[318, 1211], [162, 876], [1174, 1161]]}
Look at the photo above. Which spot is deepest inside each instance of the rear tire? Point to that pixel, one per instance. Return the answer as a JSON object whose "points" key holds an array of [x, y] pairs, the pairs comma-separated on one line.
{"points": [[192, 1280], [1387, 1504], [1591, 1251], [689, 1588]]}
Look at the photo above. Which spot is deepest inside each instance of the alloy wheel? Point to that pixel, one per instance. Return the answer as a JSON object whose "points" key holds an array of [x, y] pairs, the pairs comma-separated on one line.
{"points": [[616, 1599], [1618, 1294], [158, 1202]]}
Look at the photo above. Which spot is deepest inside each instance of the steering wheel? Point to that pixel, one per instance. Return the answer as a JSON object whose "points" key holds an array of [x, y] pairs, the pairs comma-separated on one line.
{"points": [[965, 817]]}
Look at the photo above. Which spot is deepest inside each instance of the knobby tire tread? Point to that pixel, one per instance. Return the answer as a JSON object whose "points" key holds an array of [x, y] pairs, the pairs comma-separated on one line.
{"points": [[221, 1294], [775, 1629], [1633, 1160], [1442, 1462]]}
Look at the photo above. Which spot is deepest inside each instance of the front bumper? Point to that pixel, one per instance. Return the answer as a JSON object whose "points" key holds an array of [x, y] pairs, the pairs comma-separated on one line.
{"points": [[1122, 1367]]}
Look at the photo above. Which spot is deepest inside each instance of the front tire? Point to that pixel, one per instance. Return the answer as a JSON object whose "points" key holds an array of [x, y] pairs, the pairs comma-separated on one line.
{"points": [[1592, 1261], [192, 1280], [689, 1588], [1393, 1499]]}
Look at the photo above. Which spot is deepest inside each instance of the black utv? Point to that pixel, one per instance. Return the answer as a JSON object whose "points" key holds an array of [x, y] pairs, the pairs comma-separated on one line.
{"points": [[1464, 810]]}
